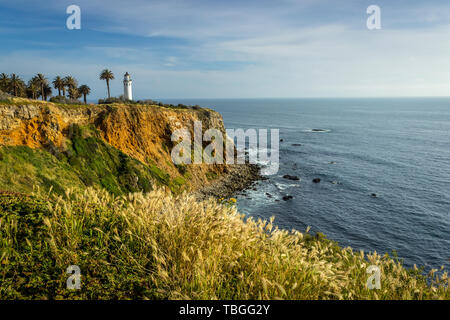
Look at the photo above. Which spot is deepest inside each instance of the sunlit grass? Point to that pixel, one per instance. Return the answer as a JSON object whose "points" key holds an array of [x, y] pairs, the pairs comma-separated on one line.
{"points": [[161, 246]]}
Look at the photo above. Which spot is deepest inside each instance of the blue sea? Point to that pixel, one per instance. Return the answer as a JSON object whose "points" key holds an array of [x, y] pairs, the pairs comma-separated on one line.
{"points": [[397, 148]]}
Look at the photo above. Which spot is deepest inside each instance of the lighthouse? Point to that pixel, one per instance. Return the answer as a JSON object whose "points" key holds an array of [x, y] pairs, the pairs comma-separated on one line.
{"points": [[127, 90]]}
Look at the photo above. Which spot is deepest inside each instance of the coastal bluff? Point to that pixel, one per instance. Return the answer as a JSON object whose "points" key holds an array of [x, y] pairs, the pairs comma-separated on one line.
{"points": [[141, 132]]}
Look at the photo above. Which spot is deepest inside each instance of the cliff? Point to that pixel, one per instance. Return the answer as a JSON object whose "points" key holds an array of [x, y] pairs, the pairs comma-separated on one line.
{"points": [[141, 132]]}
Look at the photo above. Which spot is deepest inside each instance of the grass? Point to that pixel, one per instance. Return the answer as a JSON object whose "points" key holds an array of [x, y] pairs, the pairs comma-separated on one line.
{"points": [[21, 168], [161, 246]]}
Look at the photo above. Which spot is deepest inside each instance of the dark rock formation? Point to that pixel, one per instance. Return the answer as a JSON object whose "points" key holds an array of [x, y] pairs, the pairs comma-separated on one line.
{"points": [[289, 177]]}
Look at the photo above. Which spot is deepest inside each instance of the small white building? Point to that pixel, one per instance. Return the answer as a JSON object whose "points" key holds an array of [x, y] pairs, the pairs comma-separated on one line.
{"points": [[127, 89]]}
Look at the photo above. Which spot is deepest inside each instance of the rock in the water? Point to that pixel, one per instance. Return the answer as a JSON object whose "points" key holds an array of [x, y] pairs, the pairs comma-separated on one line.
{"points": [[332, 162], [374, 195], [268, 195], [296, 145], [281, 140], [289, 177], [286, 198], [316, 180]]}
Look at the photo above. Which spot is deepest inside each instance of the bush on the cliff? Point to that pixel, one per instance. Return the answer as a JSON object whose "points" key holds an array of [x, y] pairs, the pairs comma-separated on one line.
{"points": [[4, 96], [160, 246], [122, 100], [64, 100]]}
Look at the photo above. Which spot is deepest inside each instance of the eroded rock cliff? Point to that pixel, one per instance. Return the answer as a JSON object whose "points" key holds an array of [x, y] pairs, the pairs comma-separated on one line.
{"points": [[142, 132]]}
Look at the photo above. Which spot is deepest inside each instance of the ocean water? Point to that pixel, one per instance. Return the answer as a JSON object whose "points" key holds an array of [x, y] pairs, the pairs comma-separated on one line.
{"points": [[397, 148]]}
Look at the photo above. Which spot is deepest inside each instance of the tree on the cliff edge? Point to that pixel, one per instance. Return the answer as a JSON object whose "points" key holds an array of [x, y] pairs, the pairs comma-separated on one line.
{"points": [[43, 83], [4, 82], [33, 89], [71, 83], [84, 90], [16, 84], [107, 75], [58, 83], [74, 94], [47, 91]]}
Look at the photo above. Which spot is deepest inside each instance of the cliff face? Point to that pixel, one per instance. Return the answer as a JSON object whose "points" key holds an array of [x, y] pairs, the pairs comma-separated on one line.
{"points": [[145, 134], [141, 132], [35, 124]]}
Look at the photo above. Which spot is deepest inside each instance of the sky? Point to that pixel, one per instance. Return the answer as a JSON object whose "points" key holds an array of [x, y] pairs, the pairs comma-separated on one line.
{"points": [[234, 49]]}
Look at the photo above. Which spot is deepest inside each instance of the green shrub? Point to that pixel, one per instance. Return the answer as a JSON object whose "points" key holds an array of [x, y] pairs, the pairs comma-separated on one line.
{"points": [[64, 100]]}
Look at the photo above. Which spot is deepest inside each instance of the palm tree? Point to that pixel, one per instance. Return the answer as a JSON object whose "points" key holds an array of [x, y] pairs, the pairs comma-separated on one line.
{"points": [[43, 82], [84, 90], [64, 87], [4, 82], [58, 83], [15, 83], [107, 75], [74, 93], [70, 82], [33, 88], [47, 91]]}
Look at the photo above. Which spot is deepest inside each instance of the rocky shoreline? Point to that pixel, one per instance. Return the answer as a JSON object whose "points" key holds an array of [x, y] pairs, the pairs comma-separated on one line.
{"points": [[239, 177]]}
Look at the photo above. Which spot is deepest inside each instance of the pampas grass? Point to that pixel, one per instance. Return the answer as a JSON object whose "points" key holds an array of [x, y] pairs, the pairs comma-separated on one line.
{"points": [[161, 246]]}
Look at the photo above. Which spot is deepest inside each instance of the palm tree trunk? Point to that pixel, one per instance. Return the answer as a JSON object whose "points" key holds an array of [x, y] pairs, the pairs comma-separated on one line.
{"points": [[107, 85], [64, 91], [84, 98], [42, 93], [59, 91]]}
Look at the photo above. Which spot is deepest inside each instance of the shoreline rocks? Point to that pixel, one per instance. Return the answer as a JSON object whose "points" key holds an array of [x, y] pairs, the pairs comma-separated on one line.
{"points": [[239, 177], [289, 177]]}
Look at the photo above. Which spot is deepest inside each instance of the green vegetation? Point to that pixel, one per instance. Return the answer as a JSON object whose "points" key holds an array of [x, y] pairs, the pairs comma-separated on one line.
{"points": [[211, 175], [21, 168], [39, 87], [160, 246], [64, 100], [148, 102], [86, 161]]}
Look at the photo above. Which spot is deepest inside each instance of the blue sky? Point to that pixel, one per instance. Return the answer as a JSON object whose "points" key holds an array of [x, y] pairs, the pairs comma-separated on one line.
{"points": [[234, 49]]}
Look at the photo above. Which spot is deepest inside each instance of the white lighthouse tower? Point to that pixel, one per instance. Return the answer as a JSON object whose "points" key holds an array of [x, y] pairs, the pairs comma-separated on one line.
{"points": [[127, 90]]}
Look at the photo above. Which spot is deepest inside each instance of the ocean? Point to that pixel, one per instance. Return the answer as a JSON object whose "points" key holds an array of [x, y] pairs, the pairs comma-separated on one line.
{"points": [[398, 149]]}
